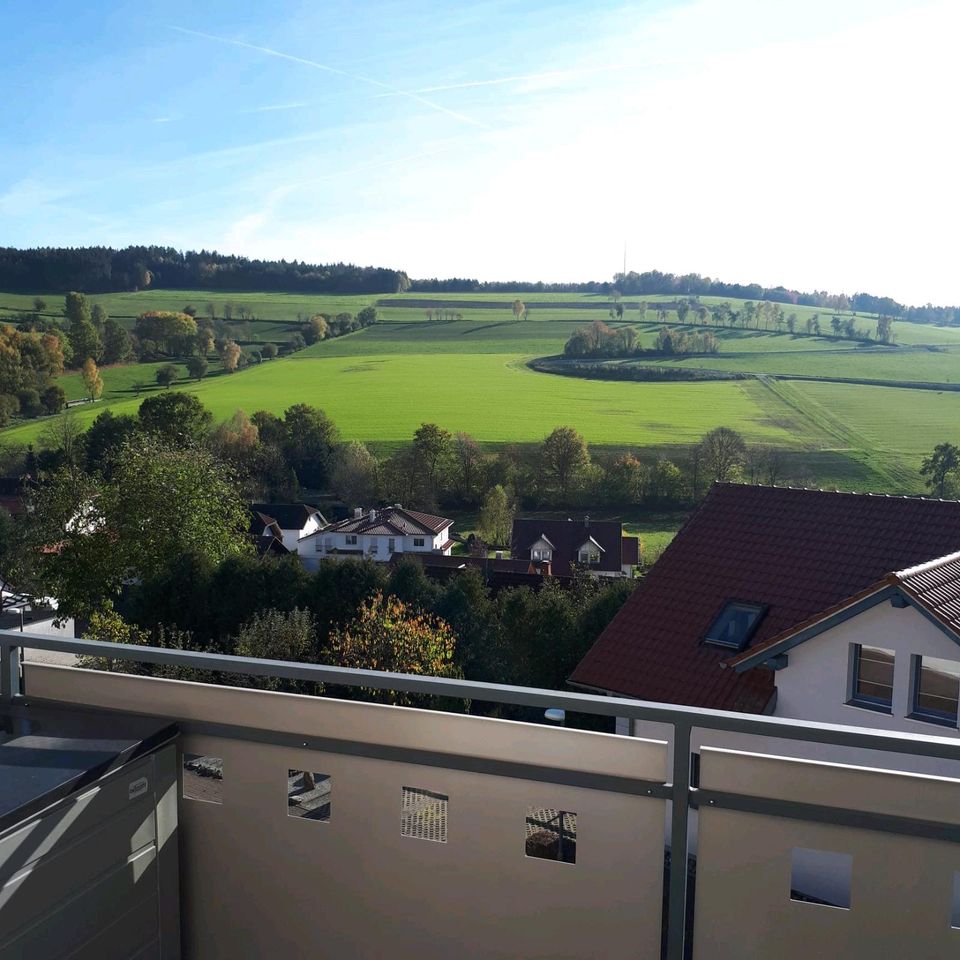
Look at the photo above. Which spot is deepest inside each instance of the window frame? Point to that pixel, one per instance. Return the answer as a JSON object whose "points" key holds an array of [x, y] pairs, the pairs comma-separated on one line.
{"points": [[351, 539], [759, 608], [925, 714], [419, 541], [864, 700]]}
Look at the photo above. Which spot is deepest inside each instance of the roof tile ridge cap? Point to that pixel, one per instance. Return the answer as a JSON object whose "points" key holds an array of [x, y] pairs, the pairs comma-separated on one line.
{"points": [[927, 565]]}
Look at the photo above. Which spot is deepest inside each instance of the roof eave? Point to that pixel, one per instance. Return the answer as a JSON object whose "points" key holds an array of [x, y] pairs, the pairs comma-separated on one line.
{"points": [[826, 620]]}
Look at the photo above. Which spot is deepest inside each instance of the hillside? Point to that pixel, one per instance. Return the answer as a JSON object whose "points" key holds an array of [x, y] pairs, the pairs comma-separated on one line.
{"points": [[469, 372]]}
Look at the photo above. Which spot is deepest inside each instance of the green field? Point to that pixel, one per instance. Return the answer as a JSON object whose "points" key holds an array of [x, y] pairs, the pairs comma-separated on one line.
{"points": [[379, 384], [266, 306]]}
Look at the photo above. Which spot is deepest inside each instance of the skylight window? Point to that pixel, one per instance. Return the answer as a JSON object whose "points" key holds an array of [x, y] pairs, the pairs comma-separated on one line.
{"points": [[735, 625]]}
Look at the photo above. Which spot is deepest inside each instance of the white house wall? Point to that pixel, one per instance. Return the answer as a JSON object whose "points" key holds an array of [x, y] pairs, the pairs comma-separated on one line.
{"points": [[815, 685]]}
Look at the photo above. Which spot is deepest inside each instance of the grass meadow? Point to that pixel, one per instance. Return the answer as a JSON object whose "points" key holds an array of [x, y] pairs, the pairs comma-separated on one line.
{"points": [[379, 384]]}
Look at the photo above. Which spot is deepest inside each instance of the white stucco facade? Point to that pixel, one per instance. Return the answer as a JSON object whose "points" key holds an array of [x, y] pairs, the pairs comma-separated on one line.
{"points": [[326, 543]]}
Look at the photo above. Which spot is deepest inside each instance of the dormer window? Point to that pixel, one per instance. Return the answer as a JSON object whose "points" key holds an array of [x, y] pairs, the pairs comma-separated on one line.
{"points": [[735, 625], [541, 553]]}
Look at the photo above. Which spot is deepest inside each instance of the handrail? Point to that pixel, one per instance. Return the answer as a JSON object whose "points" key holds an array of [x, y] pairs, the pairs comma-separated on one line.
{"points": [[947, 748]]}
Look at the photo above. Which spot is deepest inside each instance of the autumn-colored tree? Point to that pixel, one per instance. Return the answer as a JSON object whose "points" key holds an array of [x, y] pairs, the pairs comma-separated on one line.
{"points": [[389, 636], [173, 331], [235, 440], [92, 381], [316, 329], [230, 356]]}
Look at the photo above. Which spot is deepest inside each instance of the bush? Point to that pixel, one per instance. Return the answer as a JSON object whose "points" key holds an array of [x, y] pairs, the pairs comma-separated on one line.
{"points": [[30, 403], [269, 351], [53, 399], [197, 367], [166, 375], [9, 405]]}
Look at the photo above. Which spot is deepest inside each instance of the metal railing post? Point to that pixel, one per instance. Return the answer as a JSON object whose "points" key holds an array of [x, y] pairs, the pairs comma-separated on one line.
{"points": [[10, 681], [679, 840]]}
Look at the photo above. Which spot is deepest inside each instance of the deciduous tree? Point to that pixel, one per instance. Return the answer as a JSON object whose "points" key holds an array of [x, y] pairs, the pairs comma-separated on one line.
{"points": [[941, 469], [387, 635], [166, 374], [230, 356], [564, 453], [723, 453], [160, 504], [92, 381], [496, 517], [178, 419], [197, 367]]}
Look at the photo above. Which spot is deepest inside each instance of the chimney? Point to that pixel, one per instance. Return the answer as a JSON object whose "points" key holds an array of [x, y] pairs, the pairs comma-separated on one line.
{"points": [[372, 516], [357, 513], [397, 506]]}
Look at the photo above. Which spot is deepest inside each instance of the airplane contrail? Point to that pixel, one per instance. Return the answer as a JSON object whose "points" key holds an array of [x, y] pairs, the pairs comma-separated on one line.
{"points": [[342, 73], [501, 80]]}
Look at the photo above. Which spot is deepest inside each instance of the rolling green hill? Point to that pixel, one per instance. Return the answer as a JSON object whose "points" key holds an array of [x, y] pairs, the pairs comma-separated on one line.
{"points": [[379, 384]]}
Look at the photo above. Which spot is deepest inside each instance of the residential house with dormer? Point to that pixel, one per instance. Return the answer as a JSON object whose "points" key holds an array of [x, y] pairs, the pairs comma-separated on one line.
{"points": [[378, 534], [598, 547]]}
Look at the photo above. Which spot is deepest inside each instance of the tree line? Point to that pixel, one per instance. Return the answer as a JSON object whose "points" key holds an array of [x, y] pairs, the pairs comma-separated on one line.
{"points": [[600, 340], [692, 285], [301, 452], [41, 347], [104, 270], [150, 530]]}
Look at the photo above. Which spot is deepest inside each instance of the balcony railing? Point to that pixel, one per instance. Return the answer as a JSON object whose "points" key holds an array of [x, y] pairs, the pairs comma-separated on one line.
{"points": [[311, 826]]}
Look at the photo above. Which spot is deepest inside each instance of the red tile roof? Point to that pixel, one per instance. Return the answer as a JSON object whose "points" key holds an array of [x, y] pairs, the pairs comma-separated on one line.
{"points": [[935, 586], [799, 552], [566, 537]]}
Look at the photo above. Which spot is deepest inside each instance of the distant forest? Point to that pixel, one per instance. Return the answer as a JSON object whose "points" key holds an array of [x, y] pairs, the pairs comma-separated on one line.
{"points": [[105, 270]]}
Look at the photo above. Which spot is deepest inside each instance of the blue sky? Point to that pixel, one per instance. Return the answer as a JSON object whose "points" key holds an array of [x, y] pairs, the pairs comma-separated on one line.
{"points": [[808, 143]]}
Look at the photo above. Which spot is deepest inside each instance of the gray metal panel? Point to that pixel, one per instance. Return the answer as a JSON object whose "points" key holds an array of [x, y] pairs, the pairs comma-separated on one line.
{"points": [[130, 937], [165, 790], [54, 830], [89, 913], [54, 879]]}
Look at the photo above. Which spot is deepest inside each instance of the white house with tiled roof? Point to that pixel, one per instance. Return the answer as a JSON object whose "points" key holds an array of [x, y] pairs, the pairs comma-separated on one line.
{"points": [[377, 535]]}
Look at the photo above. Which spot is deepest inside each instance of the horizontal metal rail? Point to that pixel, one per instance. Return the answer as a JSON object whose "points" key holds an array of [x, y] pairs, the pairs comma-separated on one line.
{"points": [[946, 748], [683, 719]]}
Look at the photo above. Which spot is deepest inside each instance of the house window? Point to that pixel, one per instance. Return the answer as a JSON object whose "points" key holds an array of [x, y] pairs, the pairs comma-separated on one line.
{"points": [[418, 541], [542, 554], [318, 544], [735, 625], [872, 684], [391, 545], [588, 556], [374, 546], [936, 690], [351, 539]]}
